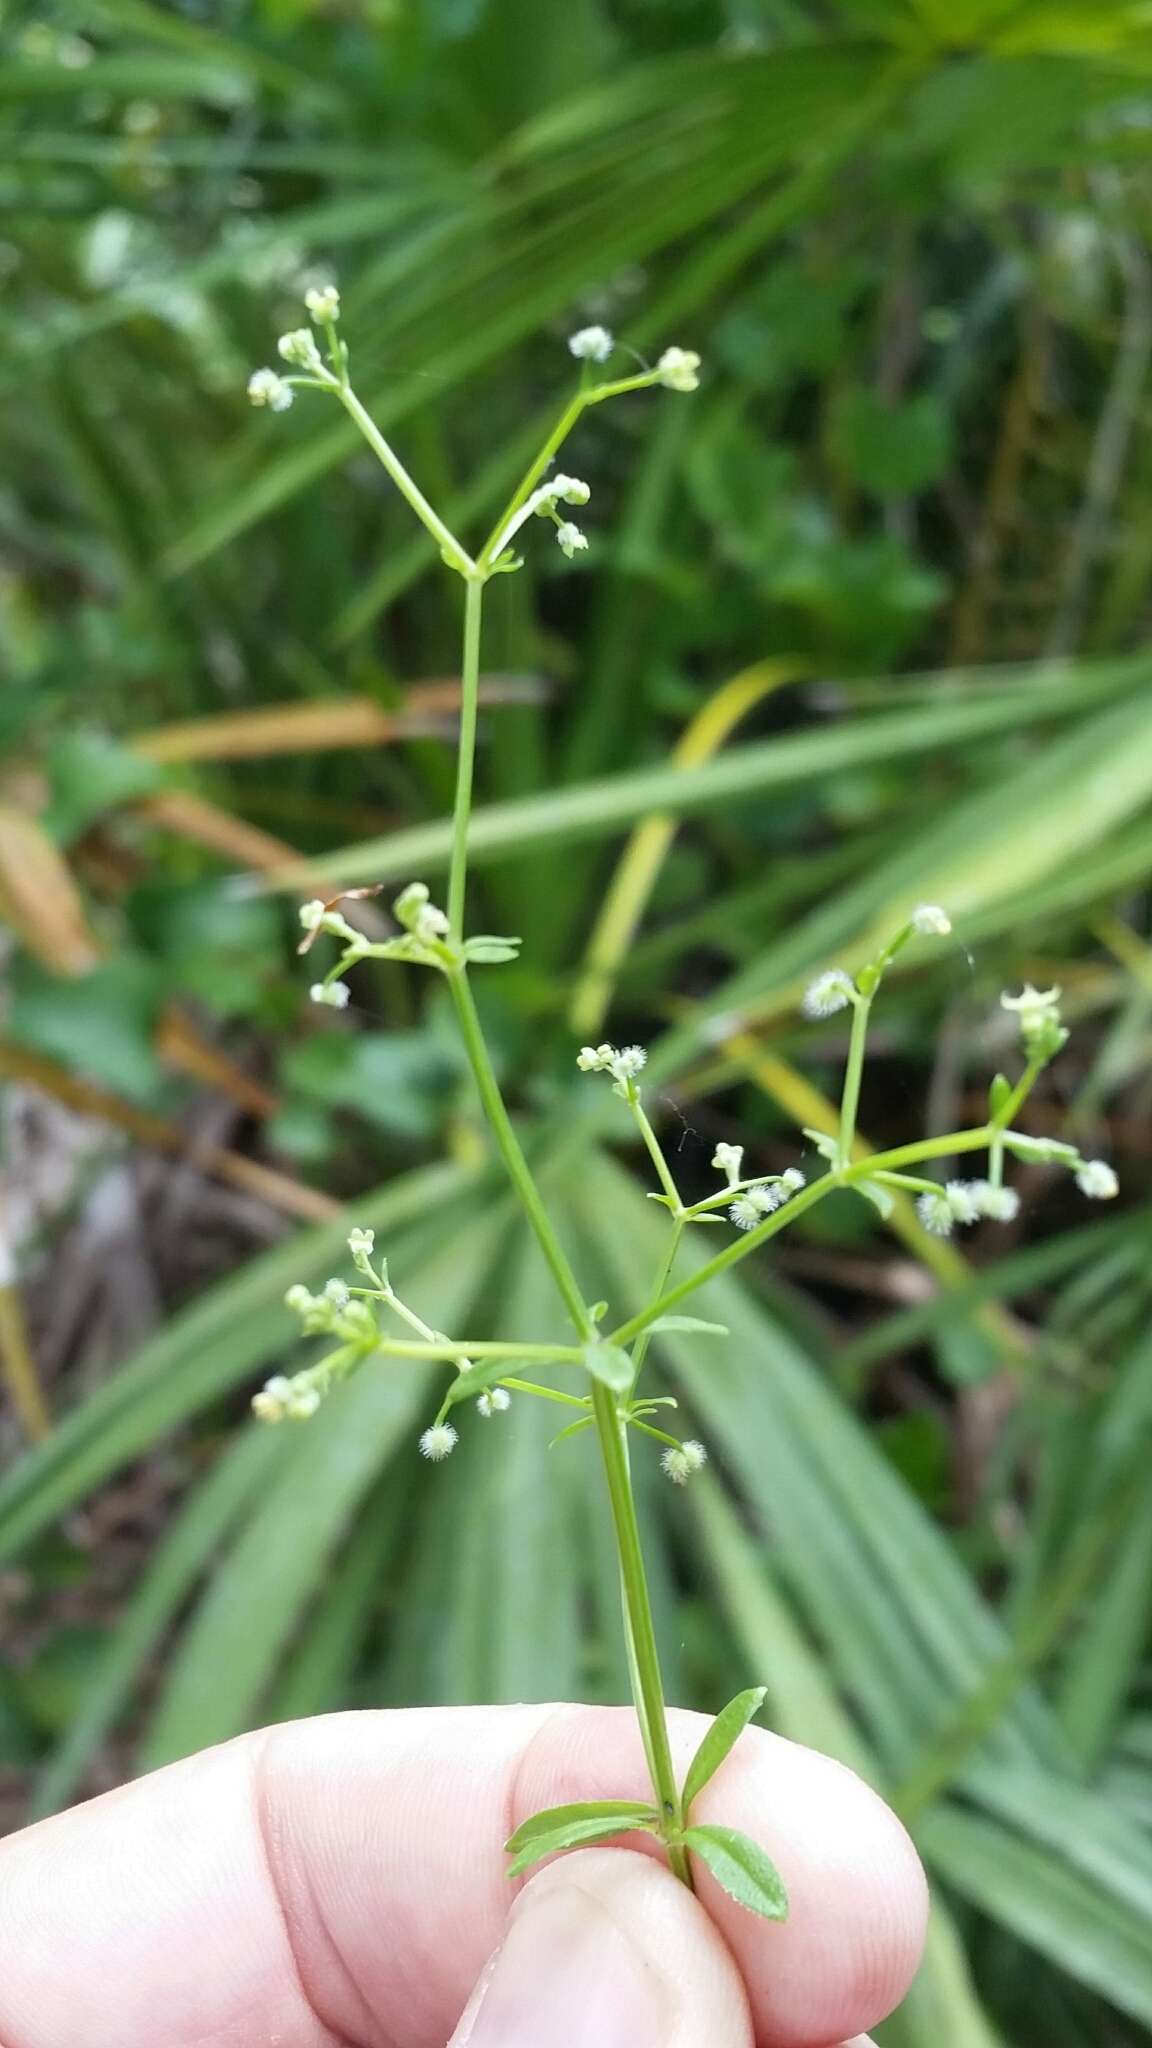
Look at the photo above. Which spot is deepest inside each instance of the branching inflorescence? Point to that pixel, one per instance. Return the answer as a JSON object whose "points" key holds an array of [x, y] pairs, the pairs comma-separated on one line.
{"points": [[370, 1320]]}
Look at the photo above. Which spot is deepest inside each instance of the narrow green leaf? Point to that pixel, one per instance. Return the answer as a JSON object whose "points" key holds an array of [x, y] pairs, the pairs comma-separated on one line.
{"points": [[487, 1372], [490, 952], [740, 1865], [573, 1835], [701, 1329], [570, 1429], [722, 1737], [610, 1365], [552, 1820]]}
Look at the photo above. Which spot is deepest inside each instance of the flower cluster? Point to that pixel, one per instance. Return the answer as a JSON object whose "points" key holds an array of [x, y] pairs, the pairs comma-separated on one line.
{"points": [[624, 1064], [1038, 1009], [762, 1198], [592, 344], [299, 349]]}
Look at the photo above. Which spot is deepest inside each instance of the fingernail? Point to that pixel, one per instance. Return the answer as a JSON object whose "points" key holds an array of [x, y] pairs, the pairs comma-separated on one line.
{"points": [[567, 1975]]}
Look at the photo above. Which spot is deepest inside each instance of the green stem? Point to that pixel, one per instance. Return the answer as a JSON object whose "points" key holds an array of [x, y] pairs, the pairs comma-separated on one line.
{"points": [[466, 754], [576, 405], [443, 1349], [508, 1144], [449, 546], [850, 1098], [654, 1148], [644, 1656], [662, 1278]]}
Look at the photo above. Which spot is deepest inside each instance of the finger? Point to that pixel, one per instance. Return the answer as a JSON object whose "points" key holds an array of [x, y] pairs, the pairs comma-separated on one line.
{"points": [[345, 1877], [606, 1949]]}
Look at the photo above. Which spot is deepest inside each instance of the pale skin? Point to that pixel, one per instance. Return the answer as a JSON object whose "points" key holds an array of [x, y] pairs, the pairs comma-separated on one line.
{"points": [[339, 1883]]}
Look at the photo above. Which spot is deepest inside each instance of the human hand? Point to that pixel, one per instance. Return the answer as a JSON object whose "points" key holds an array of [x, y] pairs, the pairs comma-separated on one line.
{"points": [[339, 1883]]}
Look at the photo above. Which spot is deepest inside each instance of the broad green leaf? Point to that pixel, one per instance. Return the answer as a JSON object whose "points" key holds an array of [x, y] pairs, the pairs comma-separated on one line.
{"points": [[722, 1737], [747, 1874], [689, 1324], [606, 1362], [552, 1820], [573, 1835]]}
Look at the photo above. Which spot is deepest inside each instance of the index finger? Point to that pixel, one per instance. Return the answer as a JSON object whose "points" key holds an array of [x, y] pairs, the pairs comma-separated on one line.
{"points": [[343, 1880]]}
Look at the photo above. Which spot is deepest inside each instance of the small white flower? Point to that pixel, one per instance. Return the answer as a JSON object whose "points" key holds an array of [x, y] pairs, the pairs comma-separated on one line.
{"points": [[336, 1291], [1097, 1179], [676, 1466], [1000, 1205], [572, 489], [595, 1059], [936, 1214], [494, 1401], [323, 303], [745, 1213], [430, 923], [332, 995], [591, 345], [695, 1454], [271, 1403], [266, 388], [679, 369], [299, 1300], [302, 1404], [312, 915], [791, 1182], [300, 348], [930, 921], [438, 1442], [1031, 1003], [628, 1062], [828, 993], [361, 1244], [729, 1160], [767, 1196], [570, 540]]}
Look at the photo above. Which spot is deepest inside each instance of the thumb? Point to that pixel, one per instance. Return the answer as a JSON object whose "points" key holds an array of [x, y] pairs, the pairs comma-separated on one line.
{"points": [[606, 1949]]}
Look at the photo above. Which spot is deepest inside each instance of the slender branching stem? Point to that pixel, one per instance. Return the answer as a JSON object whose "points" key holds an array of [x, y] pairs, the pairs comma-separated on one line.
{"points": [[850, 1097], [466, 754], [449, 546], [865, 1169]]}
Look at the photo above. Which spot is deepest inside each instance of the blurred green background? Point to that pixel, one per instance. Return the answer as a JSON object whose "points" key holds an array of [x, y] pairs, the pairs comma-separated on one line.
{"points": [[865, 618]]}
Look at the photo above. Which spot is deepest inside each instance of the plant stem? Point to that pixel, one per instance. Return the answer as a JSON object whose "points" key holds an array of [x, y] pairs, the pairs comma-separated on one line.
{"points": [[850, 1097], [449, 546], [441, 1349], [643, 1655], [519, 1171], [466, 754], [662, 1278], [654, 1148]]}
